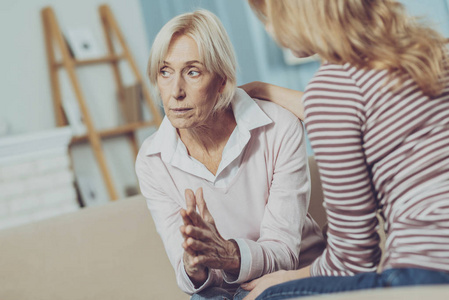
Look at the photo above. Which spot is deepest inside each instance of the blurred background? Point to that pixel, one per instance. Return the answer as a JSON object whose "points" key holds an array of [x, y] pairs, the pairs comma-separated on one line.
{"points": [[41, 173]]}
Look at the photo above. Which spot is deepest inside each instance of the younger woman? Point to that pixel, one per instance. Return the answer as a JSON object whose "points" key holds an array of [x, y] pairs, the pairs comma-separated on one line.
{"points": [[377, 114]]}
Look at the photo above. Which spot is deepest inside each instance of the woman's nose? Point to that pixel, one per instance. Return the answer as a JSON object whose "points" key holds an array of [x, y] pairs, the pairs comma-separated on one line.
{"points": [[178, 91]]}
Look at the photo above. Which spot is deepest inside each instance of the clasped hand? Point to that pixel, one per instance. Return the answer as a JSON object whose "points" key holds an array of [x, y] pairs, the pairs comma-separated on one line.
{"points": [[204, 247]]}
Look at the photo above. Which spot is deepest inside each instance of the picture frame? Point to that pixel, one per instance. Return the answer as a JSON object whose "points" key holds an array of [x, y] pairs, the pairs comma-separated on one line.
{"points": [[82, 43]]}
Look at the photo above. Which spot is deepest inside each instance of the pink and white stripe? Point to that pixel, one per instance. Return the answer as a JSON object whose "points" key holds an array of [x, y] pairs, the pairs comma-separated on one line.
{"points": [[380, 148]]}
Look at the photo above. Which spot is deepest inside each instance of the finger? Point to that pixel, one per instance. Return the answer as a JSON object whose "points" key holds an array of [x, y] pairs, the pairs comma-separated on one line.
{"points": [[250, 285], [197, 233], [212, 262], [255, 292], [188, 250], [202, 206], [182, 228], [205, 260], [185, 217], [190, 266], [190, 200], [197, 245], [196, 219]]}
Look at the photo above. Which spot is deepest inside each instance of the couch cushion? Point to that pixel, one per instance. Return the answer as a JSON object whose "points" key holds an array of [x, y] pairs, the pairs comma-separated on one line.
{"points": [[106, 252]]}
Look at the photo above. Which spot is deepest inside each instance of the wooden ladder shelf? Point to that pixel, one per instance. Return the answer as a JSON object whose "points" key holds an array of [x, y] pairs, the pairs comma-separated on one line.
{"points": [[54, 39]]}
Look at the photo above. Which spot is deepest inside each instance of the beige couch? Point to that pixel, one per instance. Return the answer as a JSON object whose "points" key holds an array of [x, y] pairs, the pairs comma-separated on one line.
{"points": [[114, 252]]}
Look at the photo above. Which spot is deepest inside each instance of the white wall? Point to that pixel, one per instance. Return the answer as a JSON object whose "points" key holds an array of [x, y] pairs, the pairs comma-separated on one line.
{"points": [[25, 99]]}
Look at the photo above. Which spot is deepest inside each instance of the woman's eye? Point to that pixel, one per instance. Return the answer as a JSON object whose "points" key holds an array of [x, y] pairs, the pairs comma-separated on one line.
{"points": [[193, 73], [164, 73]]}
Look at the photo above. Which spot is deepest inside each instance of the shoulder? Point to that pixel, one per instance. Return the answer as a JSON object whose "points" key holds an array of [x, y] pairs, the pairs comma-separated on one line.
{"points": [[143, 158], [347, 77], [286, 133], [335, 86], [329, 74], [279, 115], [147, 144], [285, 124]]}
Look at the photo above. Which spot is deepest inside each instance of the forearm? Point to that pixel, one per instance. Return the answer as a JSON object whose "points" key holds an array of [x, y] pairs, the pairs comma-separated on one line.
{"points": [[299, 274]]}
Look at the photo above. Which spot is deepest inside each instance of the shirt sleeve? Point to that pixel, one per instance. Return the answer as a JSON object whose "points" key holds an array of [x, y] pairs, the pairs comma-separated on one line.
{"points": [[167, 219], [285, 214], [335, 118]]}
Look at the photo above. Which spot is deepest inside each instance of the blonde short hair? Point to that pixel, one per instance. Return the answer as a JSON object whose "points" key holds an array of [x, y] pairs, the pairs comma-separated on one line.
{"points": [[375, 34], [215, 49]]}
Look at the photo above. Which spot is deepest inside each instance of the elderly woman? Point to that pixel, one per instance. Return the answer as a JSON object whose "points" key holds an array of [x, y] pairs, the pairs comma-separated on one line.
{"points": [[245, 159]]}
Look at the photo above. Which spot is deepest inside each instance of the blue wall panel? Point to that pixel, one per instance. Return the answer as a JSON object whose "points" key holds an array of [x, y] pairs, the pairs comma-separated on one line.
{"points": [[259, 57], [432, 12]]}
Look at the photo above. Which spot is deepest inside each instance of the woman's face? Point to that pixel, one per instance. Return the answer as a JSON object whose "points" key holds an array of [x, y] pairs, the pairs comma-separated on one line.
{"points": [[189, 92]]}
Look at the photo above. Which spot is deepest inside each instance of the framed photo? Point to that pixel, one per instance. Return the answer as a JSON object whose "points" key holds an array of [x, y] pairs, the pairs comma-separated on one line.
{"points": [[82, 43]]}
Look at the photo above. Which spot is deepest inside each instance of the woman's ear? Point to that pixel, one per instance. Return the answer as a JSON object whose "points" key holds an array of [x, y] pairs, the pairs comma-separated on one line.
{"points": [[222, 86]]}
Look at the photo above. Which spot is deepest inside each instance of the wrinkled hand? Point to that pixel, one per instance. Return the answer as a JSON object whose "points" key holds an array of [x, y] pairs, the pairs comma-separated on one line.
{"points": [[203, 245], [287, 98], [196, 271], [257, 286]]}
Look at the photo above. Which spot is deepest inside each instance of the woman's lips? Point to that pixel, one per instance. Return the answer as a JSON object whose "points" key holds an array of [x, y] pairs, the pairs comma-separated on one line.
{"points": [[180, 110]]}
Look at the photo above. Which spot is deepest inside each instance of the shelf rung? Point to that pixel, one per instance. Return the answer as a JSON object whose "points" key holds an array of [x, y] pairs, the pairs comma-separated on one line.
{"points": [[116, 131], [100, 60]]}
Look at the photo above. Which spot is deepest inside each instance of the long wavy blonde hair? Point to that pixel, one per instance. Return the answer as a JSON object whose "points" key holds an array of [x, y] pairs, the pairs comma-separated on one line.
{"points": [[371, 34]]}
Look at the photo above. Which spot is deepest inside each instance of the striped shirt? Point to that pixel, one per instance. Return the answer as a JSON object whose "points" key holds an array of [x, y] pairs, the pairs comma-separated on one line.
{"points": [[382, 149]]}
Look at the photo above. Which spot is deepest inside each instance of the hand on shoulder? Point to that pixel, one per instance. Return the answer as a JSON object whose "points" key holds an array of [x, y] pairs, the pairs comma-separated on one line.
{"points": [[287, 98]]}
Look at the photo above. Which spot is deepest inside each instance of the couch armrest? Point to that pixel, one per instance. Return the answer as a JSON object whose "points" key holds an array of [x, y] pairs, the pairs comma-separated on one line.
{"points": [[106, 252]]}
